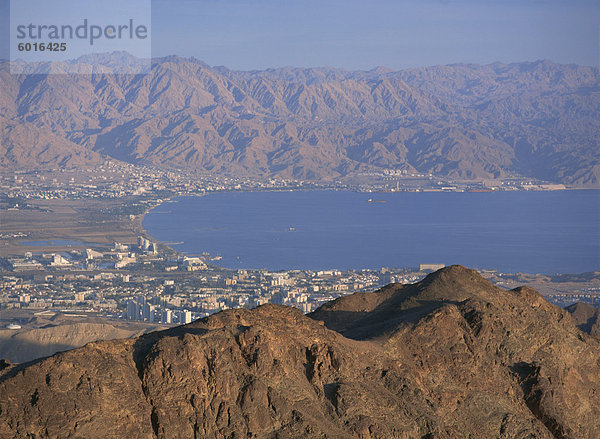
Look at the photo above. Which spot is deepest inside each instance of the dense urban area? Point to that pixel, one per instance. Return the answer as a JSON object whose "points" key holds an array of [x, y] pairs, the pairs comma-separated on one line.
{"points": [[143, 280], [116, 180]]}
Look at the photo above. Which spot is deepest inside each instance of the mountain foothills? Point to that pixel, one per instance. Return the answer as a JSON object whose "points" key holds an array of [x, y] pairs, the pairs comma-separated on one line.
{"points": [[533, 119], [452, 356], [45, 336]]}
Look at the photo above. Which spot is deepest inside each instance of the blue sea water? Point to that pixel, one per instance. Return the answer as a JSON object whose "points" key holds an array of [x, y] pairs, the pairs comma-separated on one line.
{"points": [[533, 232]]}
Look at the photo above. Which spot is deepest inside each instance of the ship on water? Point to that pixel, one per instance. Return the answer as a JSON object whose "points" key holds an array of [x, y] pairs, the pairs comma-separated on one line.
{"points": [[371, 200]]}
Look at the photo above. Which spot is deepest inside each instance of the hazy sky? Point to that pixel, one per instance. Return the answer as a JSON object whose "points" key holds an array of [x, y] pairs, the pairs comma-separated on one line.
{"points": [[257, 34]]}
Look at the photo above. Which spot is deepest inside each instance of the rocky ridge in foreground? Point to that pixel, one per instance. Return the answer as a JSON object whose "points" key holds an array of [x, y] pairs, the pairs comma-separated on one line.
{"points": [[452, 356]]}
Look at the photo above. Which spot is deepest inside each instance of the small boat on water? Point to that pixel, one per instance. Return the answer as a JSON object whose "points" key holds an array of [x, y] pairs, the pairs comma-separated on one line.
{"points": [[371, 200]]}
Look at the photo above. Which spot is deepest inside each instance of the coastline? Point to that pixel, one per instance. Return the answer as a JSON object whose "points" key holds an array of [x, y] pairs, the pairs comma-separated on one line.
{"points": [[143, 232], [89, 223], [232, 256], [86, 221]]}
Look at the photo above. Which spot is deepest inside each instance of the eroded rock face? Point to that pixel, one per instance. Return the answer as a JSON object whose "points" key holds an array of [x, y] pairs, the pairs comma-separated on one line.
{"points": [[450, 357], [586, 317]]}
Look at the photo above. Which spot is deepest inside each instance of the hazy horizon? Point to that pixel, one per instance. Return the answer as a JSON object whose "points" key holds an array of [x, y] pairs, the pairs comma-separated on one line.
{"points": [[353, 35], [193, 58]]}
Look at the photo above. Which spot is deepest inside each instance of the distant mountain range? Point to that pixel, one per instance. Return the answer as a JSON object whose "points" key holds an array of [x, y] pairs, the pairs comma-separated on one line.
{"points": [[534, 119], [452, 356]]}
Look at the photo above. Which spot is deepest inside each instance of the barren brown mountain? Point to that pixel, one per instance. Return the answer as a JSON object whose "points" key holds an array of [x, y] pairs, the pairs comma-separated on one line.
{"points": [[586, 317], [452, 356], [536, 119]]}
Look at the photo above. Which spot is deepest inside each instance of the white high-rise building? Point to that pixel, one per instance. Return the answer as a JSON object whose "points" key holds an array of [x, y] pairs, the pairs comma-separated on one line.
{"points": [[184, 317], [149, 311], [167, 316], [132, 310]]}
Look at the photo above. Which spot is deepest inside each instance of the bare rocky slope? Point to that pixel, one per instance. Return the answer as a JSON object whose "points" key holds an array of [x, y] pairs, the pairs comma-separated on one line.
{"points": [[536, 119], [586, 317], [452, 356], [60, 333]]}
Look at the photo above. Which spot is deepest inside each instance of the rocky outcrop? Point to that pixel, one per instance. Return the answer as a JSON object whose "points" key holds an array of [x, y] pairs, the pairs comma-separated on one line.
{"points": [[586, 317], [449, 357]]}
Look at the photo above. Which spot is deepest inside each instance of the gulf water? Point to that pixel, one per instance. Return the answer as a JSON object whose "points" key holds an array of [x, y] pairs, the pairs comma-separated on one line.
{"points": [[533, 232]]}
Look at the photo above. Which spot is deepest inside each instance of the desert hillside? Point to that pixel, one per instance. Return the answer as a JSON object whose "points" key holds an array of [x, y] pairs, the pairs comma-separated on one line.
{"points": [[452, 356]]}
